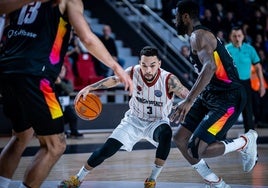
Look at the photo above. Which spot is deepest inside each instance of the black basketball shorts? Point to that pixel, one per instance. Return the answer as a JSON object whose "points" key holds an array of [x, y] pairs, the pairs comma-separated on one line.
{"points": [[214, 113], [30, 101]]}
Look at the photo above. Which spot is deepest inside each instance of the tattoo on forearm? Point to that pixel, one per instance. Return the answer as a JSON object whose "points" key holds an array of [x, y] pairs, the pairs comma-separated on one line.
{"points": [[174, 84], [100, 85], [106, 83]]}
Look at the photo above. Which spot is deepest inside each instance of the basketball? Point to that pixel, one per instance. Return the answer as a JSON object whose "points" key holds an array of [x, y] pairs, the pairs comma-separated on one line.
{"points": [[88, 109]]}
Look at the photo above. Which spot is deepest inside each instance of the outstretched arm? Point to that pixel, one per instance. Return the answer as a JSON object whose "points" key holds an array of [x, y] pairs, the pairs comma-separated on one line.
{"points": [[105, 83], [203, 44], [92, 42]]}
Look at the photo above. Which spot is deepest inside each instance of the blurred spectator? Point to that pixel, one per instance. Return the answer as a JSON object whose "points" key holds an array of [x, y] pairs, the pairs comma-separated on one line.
{"points": [[109, 42], [244, 10], [73, 51], [258, 42], [247, 37], [185, 52], [221, 36], [244, 56], [228, 22], [64, 88], [73, 48], [258, 25], [210, 21], [220, 12]]}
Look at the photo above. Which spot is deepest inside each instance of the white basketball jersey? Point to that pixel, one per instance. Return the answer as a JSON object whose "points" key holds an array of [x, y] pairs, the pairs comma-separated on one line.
{"points": [[151, 101]]}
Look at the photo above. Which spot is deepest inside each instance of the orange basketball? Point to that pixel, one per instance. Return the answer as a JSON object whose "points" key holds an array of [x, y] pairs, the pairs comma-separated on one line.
{"points": [[88, 108]]}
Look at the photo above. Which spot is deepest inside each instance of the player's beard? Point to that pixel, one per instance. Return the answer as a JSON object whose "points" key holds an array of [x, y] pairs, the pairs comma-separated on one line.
{"points": [[150, 79], [181, 29]]}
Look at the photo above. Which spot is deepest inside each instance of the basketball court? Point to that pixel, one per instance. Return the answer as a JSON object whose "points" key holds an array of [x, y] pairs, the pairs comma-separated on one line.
{"points": [[128, 184], [130, 169]]}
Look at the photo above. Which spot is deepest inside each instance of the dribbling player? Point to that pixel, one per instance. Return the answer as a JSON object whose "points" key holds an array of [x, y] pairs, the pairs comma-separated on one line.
{"points": [[147, 118]]}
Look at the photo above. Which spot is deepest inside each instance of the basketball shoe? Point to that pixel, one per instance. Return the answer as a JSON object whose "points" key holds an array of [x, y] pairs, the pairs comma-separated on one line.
{"points": [[249, 151], [149, 183], [218, 184], [73, 182]]}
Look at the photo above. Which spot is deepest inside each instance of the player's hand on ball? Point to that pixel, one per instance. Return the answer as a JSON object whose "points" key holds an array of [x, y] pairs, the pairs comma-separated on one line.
{"points": [[88, 108], [82, 93]]}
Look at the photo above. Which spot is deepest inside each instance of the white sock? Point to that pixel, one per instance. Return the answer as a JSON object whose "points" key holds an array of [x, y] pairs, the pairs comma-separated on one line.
{"points": [[155, 172], [4, 182], [204, 171], [83, 172], [233, 144]]}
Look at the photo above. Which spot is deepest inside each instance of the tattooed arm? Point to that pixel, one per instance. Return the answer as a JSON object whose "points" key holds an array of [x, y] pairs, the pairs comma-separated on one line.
{"points": [[105, 83], [175, 86]]}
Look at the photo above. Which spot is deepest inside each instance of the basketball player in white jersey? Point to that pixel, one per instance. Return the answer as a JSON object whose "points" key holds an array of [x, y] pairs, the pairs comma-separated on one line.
{"points": [[147, 118]]}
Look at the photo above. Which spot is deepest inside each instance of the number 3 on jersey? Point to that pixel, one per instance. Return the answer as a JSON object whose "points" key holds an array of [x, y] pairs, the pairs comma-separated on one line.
{"points": [[29, 13], [150, 110]]}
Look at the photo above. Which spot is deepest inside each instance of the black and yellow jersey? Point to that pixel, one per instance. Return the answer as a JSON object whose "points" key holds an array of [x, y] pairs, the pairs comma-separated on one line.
{"points": [[226, 74], [36, 41]]}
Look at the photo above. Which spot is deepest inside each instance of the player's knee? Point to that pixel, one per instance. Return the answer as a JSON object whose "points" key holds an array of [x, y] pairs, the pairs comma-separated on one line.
{"points": [[58, 149], [163, 133], [166, 134], [55, 148]]}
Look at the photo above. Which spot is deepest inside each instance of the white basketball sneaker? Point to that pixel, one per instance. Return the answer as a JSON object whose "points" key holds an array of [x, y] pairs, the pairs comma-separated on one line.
{"points": [[218, 184], [249, 152]]}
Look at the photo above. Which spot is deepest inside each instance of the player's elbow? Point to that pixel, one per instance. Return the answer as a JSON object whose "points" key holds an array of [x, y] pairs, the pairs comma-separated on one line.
{"points": [[88, 39], [87, 42]]}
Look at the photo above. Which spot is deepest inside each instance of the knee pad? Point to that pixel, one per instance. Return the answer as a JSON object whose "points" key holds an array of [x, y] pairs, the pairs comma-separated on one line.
{"points": [[163, 131], [163, 135], [193, 146]]}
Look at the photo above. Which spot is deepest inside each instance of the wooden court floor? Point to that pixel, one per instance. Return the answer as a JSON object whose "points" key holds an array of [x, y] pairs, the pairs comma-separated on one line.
{"points": [[129, 169]]}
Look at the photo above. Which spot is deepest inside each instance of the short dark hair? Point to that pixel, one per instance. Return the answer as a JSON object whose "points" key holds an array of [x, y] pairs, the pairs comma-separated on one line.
{"points": [[188, 6], [149, 51], [236, 28]]}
